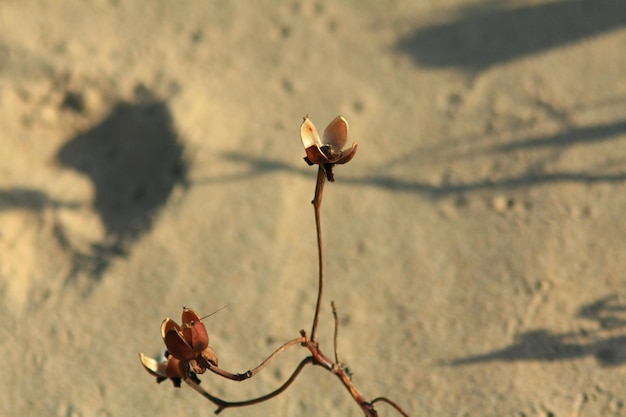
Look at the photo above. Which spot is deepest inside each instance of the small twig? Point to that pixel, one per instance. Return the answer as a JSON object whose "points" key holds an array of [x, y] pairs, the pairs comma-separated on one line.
{"points": [[317, 204]]}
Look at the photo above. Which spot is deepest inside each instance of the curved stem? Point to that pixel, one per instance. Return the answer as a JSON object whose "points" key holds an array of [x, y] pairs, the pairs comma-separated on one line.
{"points": [[222, 404], [391, 403], [317, 204]]}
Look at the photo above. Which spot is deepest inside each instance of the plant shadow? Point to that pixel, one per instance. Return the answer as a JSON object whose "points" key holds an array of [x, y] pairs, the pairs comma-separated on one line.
{"points": [[534, 176], [481, 39], [134, 159], [606, 343], [20, 198]]}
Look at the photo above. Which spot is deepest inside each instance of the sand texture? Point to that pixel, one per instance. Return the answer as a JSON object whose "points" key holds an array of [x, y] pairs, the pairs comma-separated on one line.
{"points": [[150, 159]]}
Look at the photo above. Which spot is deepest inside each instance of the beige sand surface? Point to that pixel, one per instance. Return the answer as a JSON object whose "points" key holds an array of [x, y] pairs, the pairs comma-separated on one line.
{"points": [[476, 246]]}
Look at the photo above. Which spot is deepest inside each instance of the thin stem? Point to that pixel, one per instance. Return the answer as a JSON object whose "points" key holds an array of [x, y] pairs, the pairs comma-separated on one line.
{"points": [[222, 404], [317, 204], [249, 374], [332, 304]]}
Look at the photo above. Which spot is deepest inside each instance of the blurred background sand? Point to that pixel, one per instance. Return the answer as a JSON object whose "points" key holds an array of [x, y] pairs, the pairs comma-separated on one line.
{"points": [[150, 158]]}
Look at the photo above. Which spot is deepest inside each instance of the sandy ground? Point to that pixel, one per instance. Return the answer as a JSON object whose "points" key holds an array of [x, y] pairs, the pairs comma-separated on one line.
{"points": [[476, 246]]}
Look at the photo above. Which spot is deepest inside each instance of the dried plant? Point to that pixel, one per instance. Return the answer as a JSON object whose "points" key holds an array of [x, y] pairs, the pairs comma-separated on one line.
{"points": [[188, 353]]}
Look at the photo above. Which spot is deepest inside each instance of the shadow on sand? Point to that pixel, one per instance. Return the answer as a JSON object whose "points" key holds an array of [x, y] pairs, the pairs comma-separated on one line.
{"points": [[480, 40]]}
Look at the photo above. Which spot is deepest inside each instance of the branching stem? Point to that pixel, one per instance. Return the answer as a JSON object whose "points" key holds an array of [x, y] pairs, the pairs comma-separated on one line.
{"points": [[317, 357], [322, 360]]}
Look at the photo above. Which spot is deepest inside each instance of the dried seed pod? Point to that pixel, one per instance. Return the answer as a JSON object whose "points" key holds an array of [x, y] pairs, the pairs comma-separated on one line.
{"points": [[329, 151], [189, 343]]}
